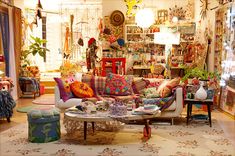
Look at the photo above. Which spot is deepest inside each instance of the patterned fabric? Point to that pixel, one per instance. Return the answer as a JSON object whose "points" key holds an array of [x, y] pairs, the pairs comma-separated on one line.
{"points": [[163, 103], [125, 98], [165, 89], [118, 85], [64, 88], [7, 104], [99, 85], [33, 86], [139, 85], [81, 89], [155, 84]]}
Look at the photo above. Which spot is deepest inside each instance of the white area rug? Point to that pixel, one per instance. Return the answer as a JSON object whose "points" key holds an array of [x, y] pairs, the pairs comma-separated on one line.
{"points": [[177, 140]]}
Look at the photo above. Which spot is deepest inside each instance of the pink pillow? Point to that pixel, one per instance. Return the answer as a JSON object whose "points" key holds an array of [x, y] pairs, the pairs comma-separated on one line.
{"points": [[118, 84]]}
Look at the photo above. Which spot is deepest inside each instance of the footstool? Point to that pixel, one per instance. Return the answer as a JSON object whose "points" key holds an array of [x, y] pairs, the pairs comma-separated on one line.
{"points": [[44, 125]]}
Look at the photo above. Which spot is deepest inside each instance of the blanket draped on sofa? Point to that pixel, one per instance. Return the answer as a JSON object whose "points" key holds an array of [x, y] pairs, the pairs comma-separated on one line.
{"points": [[7, 104]]}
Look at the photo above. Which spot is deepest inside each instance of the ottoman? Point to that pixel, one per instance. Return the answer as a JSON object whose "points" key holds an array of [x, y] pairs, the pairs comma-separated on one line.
{"points": [[43, 125]]}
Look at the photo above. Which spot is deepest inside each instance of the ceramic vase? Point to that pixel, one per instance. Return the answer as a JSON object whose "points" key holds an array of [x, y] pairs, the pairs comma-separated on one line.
{"points": [[201, 93]]}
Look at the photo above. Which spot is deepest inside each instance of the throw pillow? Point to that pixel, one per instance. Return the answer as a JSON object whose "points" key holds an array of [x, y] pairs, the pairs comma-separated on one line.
{"points": [[165, 89], [64, 88], [81, 90], [118, 84], [139, 85], [151, 92]]}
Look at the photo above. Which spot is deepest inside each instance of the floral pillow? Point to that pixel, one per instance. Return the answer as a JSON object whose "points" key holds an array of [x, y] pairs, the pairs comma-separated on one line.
{"points": [[151, 92], [64, 88], [118, 84], [81, 90]]}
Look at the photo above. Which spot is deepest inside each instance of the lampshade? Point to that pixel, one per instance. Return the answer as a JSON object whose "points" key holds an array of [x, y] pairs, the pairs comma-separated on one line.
{"points": [[144, 18], [167, 38]]}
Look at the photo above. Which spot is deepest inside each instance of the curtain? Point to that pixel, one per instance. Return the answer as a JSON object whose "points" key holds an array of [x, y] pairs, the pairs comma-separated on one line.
{"points": [[12, 67], [4, 26], [17, 40]]}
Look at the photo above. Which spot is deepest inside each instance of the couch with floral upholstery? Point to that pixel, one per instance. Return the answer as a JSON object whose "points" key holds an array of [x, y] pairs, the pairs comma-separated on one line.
{"points": [[167, 94]]}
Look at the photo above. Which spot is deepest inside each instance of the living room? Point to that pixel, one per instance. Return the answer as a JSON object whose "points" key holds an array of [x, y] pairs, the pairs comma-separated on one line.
{"points": [[117, 77]]}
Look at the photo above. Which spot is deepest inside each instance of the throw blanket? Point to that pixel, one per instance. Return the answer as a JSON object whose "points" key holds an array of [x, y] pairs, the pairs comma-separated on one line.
{"points": [[7, 104], [33, 86], [163, 103]]}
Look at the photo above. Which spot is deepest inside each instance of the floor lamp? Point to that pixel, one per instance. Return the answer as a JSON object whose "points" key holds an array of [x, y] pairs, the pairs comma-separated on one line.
{"points": [[167, 39]]}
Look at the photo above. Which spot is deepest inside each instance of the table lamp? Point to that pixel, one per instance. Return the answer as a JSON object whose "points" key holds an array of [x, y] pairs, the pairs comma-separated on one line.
{"points": [[167, 39]]}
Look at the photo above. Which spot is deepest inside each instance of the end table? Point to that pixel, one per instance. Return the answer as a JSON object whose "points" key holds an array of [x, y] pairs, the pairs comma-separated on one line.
{"points": [[191, 102]]}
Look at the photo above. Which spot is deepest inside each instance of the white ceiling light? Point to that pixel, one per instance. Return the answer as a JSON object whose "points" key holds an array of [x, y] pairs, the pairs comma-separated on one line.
{"points": [[144, 18], [175, 19]]}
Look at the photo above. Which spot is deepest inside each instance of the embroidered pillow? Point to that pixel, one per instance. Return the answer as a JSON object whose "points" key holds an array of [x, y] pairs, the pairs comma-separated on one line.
{"points": [[64, 88], [118, 85], [81, 90], [165, 89], [139, 85], [151, 92]]}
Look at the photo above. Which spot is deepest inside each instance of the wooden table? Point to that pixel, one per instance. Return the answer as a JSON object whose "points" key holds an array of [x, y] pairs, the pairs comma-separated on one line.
{"points": [[72, 120], [191, 102]]}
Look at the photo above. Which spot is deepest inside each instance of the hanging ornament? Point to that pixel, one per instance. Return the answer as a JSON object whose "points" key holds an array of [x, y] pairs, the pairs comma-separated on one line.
{"points": [[132, 5]]}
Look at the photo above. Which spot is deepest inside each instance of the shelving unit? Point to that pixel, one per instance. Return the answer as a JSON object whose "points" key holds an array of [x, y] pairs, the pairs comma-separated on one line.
{"points": [[141, 42]]}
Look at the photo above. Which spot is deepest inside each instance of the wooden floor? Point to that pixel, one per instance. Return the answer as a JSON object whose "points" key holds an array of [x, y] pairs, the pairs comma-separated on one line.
{"points": [[226, 122]]}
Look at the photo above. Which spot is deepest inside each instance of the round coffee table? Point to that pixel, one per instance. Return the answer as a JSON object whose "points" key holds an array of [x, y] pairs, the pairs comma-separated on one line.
{"points": [[74, 121]]}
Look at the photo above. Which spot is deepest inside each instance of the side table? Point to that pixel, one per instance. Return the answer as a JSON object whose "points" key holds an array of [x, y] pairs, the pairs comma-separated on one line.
{"points": [[191, 102]]}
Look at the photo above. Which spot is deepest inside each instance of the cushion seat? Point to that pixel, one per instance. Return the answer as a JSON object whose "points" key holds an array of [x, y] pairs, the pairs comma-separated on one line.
{"points": [[44, 125]]}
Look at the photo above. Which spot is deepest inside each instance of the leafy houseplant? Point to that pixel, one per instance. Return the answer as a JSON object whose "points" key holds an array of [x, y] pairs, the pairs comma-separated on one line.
{"points": [[36, 47], [201, 74]]}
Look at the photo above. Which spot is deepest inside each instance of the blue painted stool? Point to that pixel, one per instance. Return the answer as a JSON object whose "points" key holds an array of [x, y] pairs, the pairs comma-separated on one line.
{"points": [[44, 125]]}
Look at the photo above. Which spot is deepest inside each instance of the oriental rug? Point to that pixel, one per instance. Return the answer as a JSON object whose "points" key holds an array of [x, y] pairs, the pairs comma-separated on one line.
{"points": [[176, 140]]}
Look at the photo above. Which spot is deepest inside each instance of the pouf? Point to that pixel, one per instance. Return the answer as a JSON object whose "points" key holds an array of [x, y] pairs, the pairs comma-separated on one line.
{"points": [[44, 125]]}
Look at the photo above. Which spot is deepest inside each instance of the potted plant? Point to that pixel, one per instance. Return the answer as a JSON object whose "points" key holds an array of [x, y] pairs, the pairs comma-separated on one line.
{"points": [[36, 47], [200, 74]]}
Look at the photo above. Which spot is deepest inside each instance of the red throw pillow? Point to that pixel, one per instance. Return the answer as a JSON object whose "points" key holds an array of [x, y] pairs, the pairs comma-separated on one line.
{"points": [[81, 90]]}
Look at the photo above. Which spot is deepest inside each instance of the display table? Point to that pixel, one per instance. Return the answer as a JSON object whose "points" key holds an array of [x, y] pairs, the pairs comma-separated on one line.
{"points": [[114, 62], [75, 121], [191, 102]]}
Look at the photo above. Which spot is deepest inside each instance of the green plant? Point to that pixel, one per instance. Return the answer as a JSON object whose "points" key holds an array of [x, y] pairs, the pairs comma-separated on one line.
{"points": [[36, 47], [200, 74]]}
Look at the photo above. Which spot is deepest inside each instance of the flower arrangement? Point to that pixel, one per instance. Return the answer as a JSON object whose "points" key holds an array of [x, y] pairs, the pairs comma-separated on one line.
{"points": [[69, 69]]}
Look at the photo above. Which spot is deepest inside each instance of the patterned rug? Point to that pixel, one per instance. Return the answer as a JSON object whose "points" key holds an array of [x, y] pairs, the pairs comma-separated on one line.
{"points": [[177, 140], [47, 99], [28, 108]]}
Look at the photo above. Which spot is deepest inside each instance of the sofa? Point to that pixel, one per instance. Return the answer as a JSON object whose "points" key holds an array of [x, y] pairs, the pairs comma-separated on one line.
{"points": [[98, 84]]}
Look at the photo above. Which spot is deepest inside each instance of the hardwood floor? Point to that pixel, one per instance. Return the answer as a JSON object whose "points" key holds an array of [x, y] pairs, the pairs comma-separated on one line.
{"points": [[226, 122]]}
